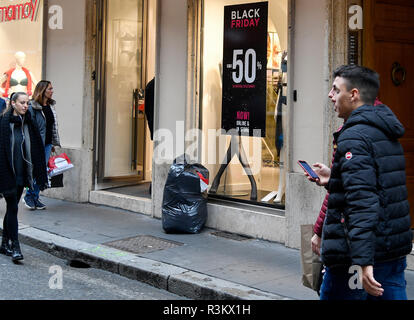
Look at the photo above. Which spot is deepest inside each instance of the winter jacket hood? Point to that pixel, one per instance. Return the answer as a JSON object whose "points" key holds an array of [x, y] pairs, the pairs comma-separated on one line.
{"points": [[380, 117]]}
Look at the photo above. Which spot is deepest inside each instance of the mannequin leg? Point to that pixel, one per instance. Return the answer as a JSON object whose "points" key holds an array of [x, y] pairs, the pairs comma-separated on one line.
{"points": [[244, 162], [216, 181]]}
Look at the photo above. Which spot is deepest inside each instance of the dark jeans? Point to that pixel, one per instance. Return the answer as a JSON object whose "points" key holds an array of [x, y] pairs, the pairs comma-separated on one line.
{"points": [[335, 284], [34, 193], [391, 276], [10, 223]]}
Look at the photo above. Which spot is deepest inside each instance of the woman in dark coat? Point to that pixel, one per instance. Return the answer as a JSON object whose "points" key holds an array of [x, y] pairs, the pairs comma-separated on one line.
{"points": [[22, 160], [42, 110]]}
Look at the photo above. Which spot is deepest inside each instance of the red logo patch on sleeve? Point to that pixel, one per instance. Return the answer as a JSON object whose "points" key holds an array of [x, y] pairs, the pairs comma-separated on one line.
{"points": [[348, 156]]}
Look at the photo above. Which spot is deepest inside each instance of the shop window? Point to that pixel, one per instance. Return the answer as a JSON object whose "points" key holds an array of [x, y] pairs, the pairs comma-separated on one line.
{"points": [[21, 38], [265, 154]]}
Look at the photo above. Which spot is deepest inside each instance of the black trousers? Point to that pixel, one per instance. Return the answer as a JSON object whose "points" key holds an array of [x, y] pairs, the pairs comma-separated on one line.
{"points": [[10, 223]]}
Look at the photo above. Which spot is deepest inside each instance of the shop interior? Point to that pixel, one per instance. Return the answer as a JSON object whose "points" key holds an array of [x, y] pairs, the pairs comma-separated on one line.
{"points": [[127, 68]]}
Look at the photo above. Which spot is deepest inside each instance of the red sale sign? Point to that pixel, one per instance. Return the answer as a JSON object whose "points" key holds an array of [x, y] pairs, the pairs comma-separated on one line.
{"points": [[19, 11]]}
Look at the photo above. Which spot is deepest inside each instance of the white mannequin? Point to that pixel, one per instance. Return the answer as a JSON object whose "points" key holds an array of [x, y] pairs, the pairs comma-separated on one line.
{"points": [[19, 75]]}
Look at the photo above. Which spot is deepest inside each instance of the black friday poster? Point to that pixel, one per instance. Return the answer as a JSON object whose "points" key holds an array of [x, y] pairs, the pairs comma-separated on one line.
{"points": [[244, 68]]}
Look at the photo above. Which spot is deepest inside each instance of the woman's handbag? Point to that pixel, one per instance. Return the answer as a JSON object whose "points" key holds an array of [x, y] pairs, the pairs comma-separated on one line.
{"points": [[56, 181], [312, 266], [58, 164]]}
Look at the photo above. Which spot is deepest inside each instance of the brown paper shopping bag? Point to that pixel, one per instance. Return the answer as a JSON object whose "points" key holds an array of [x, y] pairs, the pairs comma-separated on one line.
{"points": [[311, 265]]}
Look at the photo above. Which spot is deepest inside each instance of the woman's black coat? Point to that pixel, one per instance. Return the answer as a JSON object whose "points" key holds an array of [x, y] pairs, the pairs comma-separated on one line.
{"points": [[368, 218], [7, 176]]}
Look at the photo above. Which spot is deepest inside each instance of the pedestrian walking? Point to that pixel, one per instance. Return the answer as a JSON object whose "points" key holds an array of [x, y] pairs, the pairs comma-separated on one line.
{"points": [[22, 161], [317, 228], [42, 109], [367, 223]]}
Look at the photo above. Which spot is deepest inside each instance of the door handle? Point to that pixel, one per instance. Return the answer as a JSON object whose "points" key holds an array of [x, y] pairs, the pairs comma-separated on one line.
{"points": [[398, 69], [134, 129]]}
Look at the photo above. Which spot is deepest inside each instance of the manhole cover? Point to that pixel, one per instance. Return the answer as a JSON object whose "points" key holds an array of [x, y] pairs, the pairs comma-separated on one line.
{"points": [[229, 235], [143, 244]]}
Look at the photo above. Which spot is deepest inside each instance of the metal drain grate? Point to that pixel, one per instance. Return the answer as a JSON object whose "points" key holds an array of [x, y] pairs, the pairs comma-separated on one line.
{"points": [[231, 236], [143, 244]]}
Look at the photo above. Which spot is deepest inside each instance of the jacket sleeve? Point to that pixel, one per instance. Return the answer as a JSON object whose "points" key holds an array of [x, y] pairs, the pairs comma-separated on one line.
{"points": [[362, 205], [55, 132], [317, 228], [37, 119]]}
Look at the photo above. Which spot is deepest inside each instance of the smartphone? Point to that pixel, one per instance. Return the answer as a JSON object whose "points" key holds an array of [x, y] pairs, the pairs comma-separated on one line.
{"points": [[305, 166]]}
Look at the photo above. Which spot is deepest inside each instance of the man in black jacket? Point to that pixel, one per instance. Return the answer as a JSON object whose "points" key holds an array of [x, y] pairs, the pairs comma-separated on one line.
{"points": [[368, 222]]}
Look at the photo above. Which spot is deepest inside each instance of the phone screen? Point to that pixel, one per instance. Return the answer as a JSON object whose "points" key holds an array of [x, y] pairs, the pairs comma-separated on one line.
{"points": [[308, 169]]}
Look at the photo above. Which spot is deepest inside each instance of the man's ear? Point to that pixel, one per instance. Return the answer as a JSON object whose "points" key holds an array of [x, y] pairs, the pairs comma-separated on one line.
{"points": [[355, 95]]}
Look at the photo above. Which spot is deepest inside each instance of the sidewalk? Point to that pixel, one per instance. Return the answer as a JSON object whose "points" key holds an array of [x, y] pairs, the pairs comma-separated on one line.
{"points": [[197, 266]]}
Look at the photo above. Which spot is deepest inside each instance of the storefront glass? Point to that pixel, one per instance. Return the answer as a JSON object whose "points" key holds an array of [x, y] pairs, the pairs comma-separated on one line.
{"points": [[123, 63], [21, 38], [265, 155]]}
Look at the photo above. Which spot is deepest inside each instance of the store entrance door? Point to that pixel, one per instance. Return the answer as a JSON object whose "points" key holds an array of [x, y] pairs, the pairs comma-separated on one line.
{"points": [[120, 93], [389, 49]]}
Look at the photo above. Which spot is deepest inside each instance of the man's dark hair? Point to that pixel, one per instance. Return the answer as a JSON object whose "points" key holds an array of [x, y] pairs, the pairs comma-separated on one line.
{"points": [[364, 79]]}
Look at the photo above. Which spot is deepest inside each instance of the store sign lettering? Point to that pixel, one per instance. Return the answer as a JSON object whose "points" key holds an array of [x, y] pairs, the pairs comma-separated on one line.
{"points": [[19, 11], [248, 18]]}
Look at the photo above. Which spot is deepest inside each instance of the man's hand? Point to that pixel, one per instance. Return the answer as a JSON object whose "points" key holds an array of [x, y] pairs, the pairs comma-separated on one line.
{"points": [[316, 244], [323, 172], [369, 283]]}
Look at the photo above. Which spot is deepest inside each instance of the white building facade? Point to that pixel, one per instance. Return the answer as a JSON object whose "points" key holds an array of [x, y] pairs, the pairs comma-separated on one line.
{"points": [[100, 55]]}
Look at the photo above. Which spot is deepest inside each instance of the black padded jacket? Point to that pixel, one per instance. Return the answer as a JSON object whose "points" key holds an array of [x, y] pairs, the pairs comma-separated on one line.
{"points": [[368, 217]]}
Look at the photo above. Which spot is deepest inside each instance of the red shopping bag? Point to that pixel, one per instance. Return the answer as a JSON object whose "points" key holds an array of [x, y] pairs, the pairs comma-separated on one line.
{"points": [[58, 164]]}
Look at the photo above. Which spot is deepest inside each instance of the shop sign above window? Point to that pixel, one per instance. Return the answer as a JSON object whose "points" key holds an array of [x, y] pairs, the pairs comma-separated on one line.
{"points": [[20, 11]]}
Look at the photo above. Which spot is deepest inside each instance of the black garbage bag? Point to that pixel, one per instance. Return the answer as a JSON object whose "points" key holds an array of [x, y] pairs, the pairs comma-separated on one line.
{"points": [[184, 207]]}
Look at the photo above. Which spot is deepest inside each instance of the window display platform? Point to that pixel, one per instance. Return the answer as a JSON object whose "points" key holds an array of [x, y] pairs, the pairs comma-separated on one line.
{"points": [[243, 196]]}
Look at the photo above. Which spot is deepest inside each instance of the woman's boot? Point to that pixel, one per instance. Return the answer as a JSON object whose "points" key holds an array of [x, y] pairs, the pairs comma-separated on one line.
{"points": [[5, 246], [16, 252]]}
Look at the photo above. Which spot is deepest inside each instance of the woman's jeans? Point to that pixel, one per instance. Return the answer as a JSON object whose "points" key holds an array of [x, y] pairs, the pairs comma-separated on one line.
{"points": [[10, 223], [336, 282], [34, 193]]}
